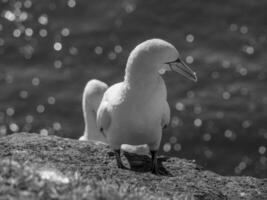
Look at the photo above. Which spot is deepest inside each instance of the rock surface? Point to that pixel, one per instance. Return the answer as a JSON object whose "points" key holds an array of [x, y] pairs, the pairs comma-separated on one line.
{"points": [[96, 161]]}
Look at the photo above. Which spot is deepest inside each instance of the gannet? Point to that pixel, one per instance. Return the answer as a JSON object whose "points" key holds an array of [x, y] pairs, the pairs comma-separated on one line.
{"points": [[136, 110], [92, 96]]}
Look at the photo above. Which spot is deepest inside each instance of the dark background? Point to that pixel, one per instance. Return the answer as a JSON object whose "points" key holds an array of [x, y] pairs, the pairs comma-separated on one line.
{"points": [[50, 49]]}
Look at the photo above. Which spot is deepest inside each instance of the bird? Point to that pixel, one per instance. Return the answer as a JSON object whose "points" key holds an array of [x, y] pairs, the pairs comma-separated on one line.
{"points": [[134, 111], [92, 95], [91, 99]]}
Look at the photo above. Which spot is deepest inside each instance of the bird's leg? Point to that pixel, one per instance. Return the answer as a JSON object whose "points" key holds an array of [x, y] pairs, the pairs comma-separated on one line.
{"points": [[155, 167], [118, 159]]}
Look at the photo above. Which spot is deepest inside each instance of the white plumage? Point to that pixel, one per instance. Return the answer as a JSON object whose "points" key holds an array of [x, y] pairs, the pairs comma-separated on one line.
{"points": [[136, 110]]}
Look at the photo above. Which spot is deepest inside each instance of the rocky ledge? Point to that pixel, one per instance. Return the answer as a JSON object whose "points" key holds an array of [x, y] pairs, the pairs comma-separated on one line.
{"points": [[49, 167]]}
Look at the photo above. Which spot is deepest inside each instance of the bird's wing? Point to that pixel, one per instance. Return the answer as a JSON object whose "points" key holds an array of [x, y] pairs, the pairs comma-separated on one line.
{"points": [[166, 115], [111, 96], [103, 119]]}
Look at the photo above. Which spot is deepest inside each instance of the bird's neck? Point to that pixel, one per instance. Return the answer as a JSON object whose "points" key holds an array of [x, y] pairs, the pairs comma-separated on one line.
{"points": [[139, 79], [143, 86]]}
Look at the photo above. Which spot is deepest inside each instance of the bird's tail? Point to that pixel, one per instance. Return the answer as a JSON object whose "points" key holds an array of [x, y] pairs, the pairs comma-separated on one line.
{"points": [[92, 96]]}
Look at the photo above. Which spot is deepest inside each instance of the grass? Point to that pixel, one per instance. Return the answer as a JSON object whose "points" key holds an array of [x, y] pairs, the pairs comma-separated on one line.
{"points": [[19, 181]]}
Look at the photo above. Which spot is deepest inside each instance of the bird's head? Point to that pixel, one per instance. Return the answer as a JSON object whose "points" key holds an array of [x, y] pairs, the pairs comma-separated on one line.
{"points": [[157, 56]]}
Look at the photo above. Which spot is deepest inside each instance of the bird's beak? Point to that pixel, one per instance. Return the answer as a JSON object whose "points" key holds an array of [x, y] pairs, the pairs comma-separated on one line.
{"points": [[182, 68]]}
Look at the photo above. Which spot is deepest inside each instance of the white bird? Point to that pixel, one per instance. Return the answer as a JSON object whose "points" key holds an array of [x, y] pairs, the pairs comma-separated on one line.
{"points": [[92, 96], [135, 111]]}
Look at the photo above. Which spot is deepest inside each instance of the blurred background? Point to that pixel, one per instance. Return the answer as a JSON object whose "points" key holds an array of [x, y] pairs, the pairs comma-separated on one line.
{"points": [[50, 49]]}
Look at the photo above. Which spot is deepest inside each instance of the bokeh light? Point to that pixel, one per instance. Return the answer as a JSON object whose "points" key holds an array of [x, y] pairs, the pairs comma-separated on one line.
{"points": [[57, 46]]}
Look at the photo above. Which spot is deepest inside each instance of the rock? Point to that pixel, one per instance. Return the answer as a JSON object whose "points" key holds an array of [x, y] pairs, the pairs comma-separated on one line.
{"points": [[95, 161]]}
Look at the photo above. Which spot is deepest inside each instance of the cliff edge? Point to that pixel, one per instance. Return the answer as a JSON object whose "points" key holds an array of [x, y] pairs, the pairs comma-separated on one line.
{"points": [[49, 167]]}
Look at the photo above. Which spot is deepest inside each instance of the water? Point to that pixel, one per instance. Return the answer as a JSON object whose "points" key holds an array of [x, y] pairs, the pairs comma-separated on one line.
{"points": [[49, 50]]}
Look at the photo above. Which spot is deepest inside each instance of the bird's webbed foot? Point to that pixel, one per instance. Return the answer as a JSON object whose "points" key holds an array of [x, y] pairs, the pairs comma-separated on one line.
{"points": [[154, 167], [118, 159]]}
